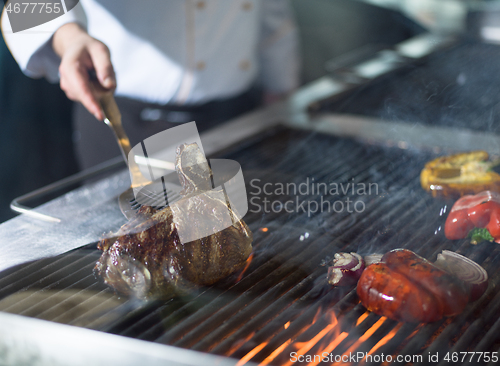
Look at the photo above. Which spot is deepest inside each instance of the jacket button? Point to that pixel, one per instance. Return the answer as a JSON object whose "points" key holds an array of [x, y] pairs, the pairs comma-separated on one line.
{"points": [[244, 64], [247, 5], [200, 65]]}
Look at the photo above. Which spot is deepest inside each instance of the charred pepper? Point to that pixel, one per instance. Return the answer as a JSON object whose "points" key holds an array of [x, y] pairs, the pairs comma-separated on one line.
{"points": [[475, 216], [460, 174]]}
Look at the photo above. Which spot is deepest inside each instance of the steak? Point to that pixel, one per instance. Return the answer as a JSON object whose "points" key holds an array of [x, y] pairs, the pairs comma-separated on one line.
{"points": [[146, 257]]}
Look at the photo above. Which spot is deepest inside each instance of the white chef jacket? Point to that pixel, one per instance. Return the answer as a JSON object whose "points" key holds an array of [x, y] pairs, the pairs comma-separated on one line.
{"points": [[173, 51]]}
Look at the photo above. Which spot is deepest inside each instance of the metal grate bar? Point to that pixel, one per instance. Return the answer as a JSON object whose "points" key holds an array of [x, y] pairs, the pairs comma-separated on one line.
{"points": [[26, 278], [282, 300], [263, 340], [339, 164], [52, 273], [179, 325]]}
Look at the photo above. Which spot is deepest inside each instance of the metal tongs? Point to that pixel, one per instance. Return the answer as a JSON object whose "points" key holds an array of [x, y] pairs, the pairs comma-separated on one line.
{"points": [[113, 118], [152, 195], [127, 201]]}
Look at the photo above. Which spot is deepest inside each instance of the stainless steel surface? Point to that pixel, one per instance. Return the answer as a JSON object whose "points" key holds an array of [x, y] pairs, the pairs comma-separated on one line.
{"points": [[404, 135], [365, 71], [37, 342], [19, 203], [92, 210], [483, 21], [88, 212]]}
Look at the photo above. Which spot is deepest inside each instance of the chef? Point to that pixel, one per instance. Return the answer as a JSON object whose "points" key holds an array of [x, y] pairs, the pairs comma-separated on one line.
{"points": [[169, 62]]}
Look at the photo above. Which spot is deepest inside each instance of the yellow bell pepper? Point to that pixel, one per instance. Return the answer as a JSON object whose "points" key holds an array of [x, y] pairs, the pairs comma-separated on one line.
{"points": [[456, 175]]}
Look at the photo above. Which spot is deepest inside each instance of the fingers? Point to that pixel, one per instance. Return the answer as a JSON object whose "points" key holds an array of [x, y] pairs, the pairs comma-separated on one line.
{"points": [[101, 60], [75, 83], [74, 73]]}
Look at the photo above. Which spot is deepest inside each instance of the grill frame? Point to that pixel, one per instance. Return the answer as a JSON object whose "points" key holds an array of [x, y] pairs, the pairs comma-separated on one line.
{"points": [[273, 279], [391, 134]]}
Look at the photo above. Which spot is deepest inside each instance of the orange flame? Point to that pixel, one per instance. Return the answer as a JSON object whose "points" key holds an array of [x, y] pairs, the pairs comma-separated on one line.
{"points": [[240, 343], [415, 331], [386, 339], [331, 346], [250, 354], [278, 350], [264, 229], [275, 353], [362, 317], [325, 341], [318, 314], [304, 347], [364, 337], [249, 260]]}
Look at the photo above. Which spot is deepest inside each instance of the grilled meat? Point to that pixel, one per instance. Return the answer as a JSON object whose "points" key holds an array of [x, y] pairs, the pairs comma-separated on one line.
{"points": [[147, 257], [407, 287]]}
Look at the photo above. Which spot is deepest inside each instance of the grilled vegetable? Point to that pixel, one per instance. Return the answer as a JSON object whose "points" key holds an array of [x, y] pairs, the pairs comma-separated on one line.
{"points": [[465, 269], [372, 258], [407, 287], [346, 269], [460, 174], [476, 217]]}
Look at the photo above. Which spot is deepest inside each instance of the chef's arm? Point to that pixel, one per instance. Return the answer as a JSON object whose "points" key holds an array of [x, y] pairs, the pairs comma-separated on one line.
{"points": [[34, 51], [80, 53]]}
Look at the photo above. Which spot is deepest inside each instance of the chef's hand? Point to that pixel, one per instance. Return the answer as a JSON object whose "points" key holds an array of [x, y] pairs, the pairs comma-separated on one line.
{"points": [[80, 53]]}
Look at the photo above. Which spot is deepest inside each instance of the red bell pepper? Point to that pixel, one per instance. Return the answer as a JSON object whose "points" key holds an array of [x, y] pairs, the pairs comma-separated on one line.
{"points": [[475, 216]]}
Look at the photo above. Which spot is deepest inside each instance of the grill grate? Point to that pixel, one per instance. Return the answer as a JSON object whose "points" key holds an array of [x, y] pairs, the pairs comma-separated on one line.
{"points": [[151, 197], [281, 303]]}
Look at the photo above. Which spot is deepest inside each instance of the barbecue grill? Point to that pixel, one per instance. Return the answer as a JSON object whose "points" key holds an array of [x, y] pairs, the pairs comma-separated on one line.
{"points": [[278, 310]]}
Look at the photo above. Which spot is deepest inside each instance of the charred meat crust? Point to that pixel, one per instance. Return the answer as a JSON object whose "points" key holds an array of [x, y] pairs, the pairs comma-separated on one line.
{"points": [[145, 258]]}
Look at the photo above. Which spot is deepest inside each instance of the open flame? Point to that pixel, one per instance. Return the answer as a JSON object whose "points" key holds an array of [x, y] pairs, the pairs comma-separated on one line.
{"points": [[362, 317], [325, 339], [304, 347], [250, 354], [362, 339], [243, 271], [327, 336], [275, 353], [240, 343], [385, 339]]}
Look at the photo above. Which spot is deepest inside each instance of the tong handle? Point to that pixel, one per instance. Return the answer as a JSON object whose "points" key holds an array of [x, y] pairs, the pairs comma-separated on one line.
{"points": [[113, 118]]}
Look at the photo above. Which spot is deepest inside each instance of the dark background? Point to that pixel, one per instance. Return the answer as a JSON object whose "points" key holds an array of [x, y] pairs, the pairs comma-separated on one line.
{"points": [[35, 133]]}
